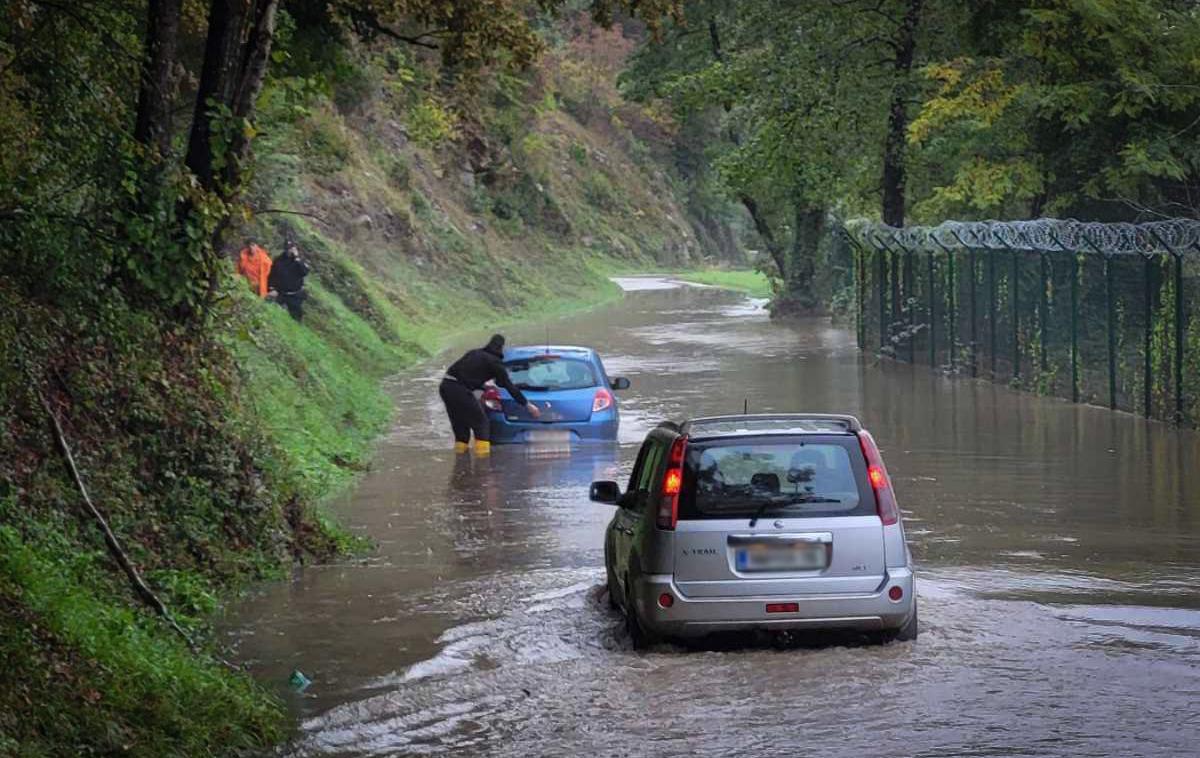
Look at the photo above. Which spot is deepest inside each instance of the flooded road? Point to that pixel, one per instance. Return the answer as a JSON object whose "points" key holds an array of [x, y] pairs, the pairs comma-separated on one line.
{"points": [[1057, 547]]}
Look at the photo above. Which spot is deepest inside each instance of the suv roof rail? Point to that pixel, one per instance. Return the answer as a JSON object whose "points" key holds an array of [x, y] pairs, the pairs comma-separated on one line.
{"points": [[772, 422]]}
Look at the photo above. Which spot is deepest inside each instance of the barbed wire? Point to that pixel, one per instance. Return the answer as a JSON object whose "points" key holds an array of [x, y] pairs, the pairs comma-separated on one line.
{"points": [[1176, 236]]}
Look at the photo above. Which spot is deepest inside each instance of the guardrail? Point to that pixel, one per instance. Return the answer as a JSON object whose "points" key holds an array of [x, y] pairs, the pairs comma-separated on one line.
{"points": [[1112, 306]]}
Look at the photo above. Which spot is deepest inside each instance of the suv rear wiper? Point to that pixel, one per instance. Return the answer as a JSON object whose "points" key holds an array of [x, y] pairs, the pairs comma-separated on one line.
{"points": [[792, 500]]}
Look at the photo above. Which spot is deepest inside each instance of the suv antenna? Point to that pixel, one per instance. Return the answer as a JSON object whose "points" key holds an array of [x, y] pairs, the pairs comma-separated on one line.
{"points": [[547, 339], [746, 406]]}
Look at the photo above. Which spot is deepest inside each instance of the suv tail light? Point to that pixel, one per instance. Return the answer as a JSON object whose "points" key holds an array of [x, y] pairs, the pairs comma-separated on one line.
{"points": [[491, 399], [603, 401], [885, 496], [668, 504]]}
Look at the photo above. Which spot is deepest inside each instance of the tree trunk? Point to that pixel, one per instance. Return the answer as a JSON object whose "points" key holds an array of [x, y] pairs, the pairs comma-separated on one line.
{"points": [[221, 57], [248, 86], [714, 39], [774, 249], [237, 53], [800, 294], [153, 125], [894, 178]]}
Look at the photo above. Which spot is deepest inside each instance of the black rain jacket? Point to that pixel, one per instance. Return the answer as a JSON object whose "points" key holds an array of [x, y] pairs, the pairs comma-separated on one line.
{"points": [[287, 274], [478, 366]]}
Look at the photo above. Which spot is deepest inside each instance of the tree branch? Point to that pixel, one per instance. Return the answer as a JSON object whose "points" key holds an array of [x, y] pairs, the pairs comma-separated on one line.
{"points": [[140, 588], [266, 211], [373, 23]]}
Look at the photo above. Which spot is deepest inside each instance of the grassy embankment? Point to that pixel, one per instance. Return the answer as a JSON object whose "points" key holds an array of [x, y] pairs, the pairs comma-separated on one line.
{"points": [[753, 283], [210, 452]]}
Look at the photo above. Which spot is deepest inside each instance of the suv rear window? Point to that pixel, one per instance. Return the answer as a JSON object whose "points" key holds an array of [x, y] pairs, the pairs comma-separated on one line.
{"points": [[781, 476], [551, 372]]}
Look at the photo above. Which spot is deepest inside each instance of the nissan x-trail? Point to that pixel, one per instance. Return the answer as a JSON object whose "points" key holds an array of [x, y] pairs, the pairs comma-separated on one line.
{"points": [[742, 523]]}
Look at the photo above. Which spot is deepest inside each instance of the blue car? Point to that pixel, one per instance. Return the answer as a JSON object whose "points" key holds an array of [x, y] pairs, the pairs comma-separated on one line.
{"points": [[570, 387]]}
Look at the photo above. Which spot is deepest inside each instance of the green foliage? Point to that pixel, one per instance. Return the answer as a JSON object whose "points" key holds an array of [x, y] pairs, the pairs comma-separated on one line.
{"points": [[599, 191], [432, 125], [1076, 107], [209, 425], [107, 679], [483, 34], [790, 122]]}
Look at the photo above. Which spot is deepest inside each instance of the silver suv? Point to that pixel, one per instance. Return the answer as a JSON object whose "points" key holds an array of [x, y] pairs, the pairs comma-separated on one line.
{"points": [[773, 522]]}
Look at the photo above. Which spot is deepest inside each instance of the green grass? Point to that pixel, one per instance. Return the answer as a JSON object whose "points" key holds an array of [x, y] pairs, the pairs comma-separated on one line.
{"points": [[85, 674], [753, 283], [313, 390]]}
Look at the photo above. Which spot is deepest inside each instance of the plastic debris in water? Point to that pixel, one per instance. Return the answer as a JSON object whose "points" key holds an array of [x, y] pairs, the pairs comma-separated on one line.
{"points": [[298, 681]]}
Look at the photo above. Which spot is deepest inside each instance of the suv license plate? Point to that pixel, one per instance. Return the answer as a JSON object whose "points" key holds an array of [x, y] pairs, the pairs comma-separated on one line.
{"points": [[801, 556]]}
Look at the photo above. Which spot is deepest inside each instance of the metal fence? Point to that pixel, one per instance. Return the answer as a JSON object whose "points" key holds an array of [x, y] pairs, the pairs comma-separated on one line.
{"points": [[1100, 313]]}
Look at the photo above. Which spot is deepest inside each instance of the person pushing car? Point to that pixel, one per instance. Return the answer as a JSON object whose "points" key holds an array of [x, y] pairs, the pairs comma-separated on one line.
{"points": [[464, 377]]}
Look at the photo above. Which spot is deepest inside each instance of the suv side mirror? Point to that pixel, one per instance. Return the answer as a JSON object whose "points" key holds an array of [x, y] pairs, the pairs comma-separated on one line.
{"points": [[605, 492], [619, 383]]}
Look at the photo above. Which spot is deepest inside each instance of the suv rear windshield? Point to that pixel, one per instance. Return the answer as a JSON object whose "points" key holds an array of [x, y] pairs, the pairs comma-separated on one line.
{"points": [[777, 476], [551, 372]]}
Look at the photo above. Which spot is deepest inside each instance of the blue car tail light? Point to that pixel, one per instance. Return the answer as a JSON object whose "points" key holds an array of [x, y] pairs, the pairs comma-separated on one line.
{"points": [[604, 400]]}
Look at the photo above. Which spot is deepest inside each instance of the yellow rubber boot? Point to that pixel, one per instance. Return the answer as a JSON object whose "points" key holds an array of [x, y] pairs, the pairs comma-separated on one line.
{"points": [[483, 447], [460, 447]]}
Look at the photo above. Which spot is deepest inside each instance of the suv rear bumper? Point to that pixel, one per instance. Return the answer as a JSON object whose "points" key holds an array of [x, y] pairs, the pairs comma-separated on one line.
{"points": [[696, 617]]}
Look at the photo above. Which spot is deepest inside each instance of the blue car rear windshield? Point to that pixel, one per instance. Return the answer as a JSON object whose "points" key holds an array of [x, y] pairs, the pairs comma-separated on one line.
{"points": [[551, 372], [788, 477]]}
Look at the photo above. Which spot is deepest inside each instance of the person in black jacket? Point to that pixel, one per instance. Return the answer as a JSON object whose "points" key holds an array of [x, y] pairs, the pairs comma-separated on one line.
{"points": [[464, 377], [287, 280]]}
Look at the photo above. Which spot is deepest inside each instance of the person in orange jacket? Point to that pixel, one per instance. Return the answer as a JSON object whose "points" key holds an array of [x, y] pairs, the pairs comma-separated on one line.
{"points": [[254, 264]]}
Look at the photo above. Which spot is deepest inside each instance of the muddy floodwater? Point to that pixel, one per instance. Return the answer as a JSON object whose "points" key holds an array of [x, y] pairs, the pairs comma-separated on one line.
{"points": [[1057, 550]]}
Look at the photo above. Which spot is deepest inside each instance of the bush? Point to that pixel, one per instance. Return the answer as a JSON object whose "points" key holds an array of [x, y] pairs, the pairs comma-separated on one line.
{"points": [[431, 125], [600, 192], [400, 172]]}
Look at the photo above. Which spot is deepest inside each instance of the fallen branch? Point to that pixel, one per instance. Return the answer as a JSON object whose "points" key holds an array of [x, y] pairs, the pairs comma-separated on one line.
{"points": [[292, 213], [140, 588]]}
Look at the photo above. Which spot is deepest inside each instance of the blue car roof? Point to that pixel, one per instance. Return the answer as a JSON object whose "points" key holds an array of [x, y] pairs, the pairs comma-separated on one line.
{"points": [[526, 351]]}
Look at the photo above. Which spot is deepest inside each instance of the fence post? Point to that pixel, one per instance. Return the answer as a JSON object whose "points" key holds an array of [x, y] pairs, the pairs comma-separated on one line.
{"points": [[1112, 333], [860, 276], [975, 308], [1109, 323], [1179, 414], [860, 268], [894, 258], [909, 305], [932, 316], [880, 285], [885, 269], [1074, 327], [1015, 297], [991, 274], [1147, 335], [951, 304], [1074, 317], [1043, 312]]}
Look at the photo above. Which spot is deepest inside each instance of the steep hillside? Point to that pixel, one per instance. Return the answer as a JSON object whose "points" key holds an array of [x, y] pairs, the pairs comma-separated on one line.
{"points": [[425, 211], [423, 218]]}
